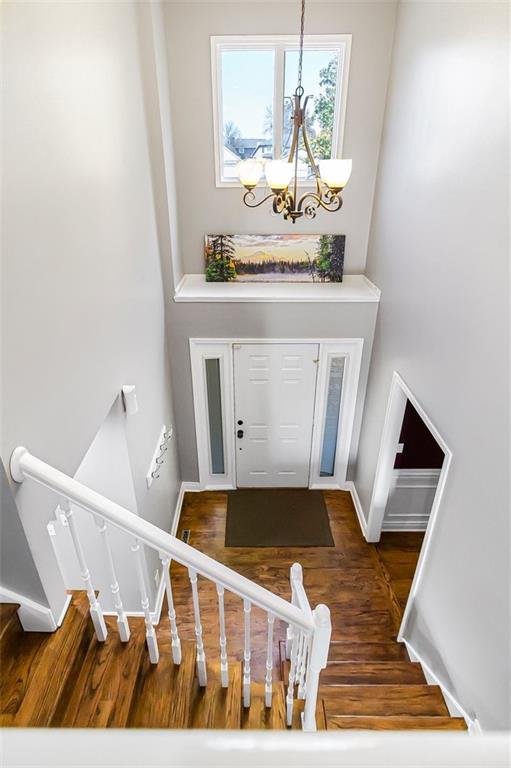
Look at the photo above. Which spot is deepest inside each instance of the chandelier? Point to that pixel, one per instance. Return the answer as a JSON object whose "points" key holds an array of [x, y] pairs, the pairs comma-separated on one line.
{"points": [[282, 175]]}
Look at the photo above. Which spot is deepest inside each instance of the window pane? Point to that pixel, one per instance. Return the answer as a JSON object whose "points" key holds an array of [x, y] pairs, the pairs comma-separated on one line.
{"points": [[247, 96], [331, 428], [319, 80], [216, 437]]}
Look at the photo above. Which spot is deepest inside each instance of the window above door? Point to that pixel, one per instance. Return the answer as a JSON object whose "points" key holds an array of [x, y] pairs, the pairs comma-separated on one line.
{"points": [[254, 78]]}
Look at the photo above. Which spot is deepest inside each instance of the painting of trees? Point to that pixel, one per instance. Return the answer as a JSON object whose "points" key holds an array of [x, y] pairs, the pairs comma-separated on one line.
{"points": [[337, 245], [220, 256], [278, 258]]}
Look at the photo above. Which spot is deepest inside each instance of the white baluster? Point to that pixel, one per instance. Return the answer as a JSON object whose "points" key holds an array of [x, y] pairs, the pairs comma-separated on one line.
{"points": [[95, 611], [317, 661], [247, 653], [176, 642], [201, 657], [303, 667], [224, 670], [291, 681], [122, 619], [150, 634], [299, 660], [269, 662]]}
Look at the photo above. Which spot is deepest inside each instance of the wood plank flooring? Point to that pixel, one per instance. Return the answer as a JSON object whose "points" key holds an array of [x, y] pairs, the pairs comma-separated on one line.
{"points": [[68, 679]]}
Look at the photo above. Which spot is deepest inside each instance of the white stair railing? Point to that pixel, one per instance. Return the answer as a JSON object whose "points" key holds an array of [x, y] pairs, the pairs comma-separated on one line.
{"points": [[122, 620], [308, 632], [95, 610], [176, 642]]}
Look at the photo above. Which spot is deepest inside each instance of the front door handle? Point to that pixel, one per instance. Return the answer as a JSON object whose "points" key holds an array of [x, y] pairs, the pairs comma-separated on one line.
{"points": [[240, 433]]}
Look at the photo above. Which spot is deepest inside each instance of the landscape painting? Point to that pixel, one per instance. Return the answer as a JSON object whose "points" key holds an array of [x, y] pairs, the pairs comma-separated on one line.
{"points": [[275, 258]]}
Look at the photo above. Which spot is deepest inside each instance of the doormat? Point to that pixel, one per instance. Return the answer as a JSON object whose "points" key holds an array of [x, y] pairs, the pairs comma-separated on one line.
{"points": [[277, 517]]}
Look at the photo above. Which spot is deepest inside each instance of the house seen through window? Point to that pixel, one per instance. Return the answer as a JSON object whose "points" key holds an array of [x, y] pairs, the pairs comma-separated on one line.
{"points": [[254, 81]]}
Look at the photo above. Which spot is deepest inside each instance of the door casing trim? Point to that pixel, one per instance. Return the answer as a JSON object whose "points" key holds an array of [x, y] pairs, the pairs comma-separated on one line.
{"points": [[399, 393], [202, 348]]}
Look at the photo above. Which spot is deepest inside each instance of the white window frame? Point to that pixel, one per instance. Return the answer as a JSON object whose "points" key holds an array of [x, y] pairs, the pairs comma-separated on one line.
{"points": [[200, 351], [280, 44], [351, 350]]}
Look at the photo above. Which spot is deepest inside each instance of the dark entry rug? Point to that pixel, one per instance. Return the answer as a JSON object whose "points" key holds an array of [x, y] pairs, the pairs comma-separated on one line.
{"points": [[277, 517]]}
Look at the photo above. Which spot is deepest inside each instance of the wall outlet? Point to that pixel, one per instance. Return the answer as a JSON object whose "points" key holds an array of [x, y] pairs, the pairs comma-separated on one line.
{"points": [[157, 577]]}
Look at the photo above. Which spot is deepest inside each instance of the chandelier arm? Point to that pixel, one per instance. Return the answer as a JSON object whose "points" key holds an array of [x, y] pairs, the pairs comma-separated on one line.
{"points": [[308, 146], [332, 203], [249, 195], [294, 144], [282, 203]]}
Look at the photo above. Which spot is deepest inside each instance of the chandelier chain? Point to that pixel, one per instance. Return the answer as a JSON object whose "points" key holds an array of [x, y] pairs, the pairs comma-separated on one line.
{"points": [[300, 56]]}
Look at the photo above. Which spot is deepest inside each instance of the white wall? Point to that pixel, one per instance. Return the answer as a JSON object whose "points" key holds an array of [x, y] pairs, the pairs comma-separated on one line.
{"points": [[438, 250], [205, 209], [85, 247], [106, 468]]}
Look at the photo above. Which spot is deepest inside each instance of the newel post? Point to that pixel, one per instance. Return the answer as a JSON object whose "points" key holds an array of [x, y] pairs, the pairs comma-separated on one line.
{"points": [[317, 662], [295, 574]]}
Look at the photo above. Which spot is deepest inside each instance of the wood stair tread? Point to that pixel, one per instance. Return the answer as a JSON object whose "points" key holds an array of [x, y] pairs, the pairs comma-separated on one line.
{"points": [[373, 673], [215, 706], [163, 691], [396, 723], [370, 651], [96, 694], [7, 615], [258, 716], [19, 653], [383, 700], [53, 665]]}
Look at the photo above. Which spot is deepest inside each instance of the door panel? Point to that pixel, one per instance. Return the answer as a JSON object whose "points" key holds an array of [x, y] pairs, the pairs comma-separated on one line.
{"points": [[275, 387]]}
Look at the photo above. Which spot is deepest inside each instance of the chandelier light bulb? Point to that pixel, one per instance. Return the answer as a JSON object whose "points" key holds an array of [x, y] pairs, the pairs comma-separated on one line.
{"points": [[249, 172], [278, 174], [335, 173]]}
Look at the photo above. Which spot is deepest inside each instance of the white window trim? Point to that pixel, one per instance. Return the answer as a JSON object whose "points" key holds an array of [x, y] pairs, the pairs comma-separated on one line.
{"points": [[201, 349], [351, 350], [279, 43]]}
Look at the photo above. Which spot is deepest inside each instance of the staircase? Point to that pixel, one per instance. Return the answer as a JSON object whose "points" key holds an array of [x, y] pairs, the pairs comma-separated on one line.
{"points": [[103, 671], [97, 672], [374, 686], [69, 679]]}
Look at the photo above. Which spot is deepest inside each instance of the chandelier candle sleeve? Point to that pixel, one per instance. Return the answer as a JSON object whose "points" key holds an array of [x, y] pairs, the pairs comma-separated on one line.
{"points": [[282, 175], [250, 171], [335, 173], [278, 174]]}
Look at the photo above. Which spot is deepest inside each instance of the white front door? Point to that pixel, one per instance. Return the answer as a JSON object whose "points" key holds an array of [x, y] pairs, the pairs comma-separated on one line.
{"points": [[274, 392]]}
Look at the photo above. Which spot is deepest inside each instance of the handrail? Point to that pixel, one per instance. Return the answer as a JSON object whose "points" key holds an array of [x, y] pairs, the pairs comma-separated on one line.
{"points": [[299, 594], [24, 465]]}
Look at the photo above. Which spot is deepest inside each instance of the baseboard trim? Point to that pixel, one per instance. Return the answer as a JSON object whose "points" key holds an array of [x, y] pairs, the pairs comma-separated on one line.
{"points": [[33, 616], [453, 705], [64, 611], [192, 486], [350, 486]]}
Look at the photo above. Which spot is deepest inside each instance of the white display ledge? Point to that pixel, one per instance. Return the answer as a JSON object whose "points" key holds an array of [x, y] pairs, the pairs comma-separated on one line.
{"points": [[194, 288]]}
